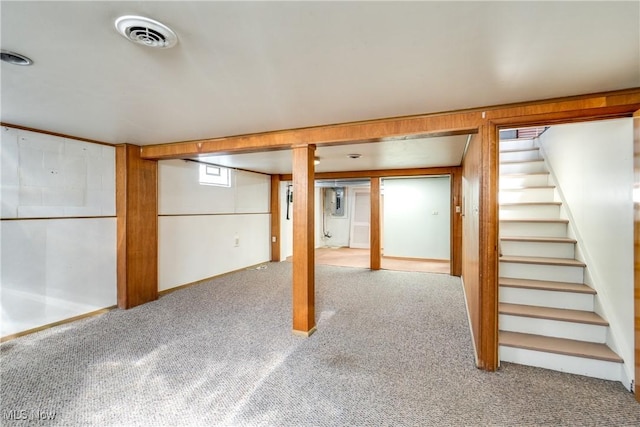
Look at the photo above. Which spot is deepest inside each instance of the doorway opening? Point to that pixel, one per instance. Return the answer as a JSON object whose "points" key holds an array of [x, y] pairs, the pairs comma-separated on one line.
{"points": [[415, 222]]}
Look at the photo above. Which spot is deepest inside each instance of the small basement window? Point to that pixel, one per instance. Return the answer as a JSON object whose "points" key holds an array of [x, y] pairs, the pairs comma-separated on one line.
{"points": [[215, 175]]}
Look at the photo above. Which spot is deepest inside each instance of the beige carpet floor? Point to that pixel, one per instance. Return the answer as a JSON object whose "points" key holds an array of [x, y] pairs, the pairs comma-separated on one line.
{"points": [[391, 349]]}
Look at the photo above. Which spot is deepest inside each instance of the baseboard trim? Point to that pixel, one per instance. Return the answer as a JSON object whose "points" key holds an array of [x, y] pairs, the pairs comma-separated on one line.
{"points": [[58, 323], [473, 341], [217, 276], [305, 334], [404, 258]]}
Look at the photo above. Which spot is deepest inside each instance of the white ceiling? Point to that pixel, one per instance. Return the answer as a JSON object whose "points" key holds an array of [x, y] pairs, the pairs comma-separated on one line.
{"points": [[245, 67], [392, 154]]}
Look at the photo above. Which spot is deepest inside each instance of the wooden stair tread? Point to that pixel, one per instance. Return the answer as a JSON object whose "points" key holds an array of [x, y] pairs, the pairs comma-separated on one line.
{"points": [[518, 150], [559, 346], [544, 220], [538, 239], [531, 204], [579, 288], [561, 314], [542, 260], [520, 174], [532, 187], [513, 162]]}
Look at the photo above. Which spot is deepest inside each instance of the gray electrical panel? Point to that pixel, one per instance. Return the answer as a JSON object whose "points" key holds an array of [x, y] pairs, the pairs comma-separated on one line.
{"points": [[334, 202]]}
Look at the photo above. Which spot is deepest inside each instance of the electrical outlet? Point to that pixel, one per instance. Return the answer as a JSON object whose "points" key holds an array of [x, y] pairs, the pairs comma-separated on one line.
{"points": [[237, 241]]}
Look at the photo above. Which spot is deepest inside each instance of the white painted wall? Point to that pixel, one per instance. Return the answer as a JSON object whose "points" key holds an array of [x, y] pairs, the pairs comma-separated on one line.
{"points": [[59, 266], [286, 225], [199, 225], [417, 217], [317, 218], [45, 176], [592, 164]]}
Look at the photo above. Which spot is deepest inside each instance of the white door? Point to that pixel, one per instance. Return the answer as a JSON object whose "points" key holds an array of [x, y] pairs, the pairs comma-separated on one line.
{"points": [[361, 219]]}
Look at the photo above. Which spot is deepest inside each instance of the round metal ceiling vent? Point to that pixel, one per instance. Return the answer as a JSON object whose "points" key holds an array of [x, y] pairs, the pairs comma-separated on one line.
{"points": [[14, 58], [146, 31]]}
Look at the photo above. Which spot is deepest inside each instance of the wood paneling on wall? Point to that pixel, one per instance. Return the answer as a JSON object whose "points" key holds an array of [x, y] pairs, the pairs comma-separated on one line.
{"points": [[456, 221], [471, 171], [137, 217], [375, 225], [275, 218]]}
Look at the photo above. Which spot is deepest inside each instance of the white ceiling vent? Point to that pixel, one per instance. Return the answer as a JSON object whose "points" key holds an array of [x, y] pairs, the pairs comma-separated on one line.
{"points": [[146, 31]]}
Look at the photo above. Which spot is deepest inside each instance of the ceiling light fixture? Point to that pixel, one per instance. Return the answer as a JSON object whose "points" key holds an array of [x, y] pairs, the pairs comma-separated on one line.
{"points": [[316, 160], [14, 58], [354, 156], [146, 31]]}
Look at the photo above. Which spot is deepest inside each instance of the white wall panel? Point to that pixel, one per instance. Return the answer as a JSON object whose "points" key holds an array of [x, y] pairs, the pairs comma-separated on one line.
{"points": [[55, 269], [252, 192], [592, 164], [10, 181], [286, 225], [50, 176], [193, 248], [180, 192], [198, 224], [417, 218]]}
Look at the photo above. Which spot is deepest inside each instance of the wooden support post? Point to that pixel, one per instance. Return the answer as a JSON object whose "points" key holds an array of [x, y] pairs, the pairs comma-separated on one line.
{"points": [[137, 219], [275, 218], [488, 240], [304, 322], [375, 246]]}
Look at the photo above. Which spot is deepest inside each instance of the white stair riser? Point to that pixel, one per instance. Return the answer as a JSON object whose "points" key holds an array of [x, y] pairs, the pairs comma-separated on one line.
{"points": [[541, 298], [526, 195], [538, 249], [554, 273], [517, 144], [525, 180], [553, 328], [529, 211], [528, 167], [518, 156], [533, 229], [559, 362]]}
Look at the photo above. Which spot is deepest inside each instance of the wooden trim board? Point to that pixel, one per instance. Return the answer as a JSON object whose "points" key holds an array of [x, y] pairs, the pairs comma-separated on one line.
{"points": [[275, 218], [636, 244], [375, 228], [58, 323]]}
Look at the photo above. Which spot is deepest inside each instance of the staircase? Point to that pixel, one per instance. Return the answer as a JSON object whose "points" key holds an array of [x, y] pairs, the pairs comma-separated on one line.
{"points": [[546, 312]]}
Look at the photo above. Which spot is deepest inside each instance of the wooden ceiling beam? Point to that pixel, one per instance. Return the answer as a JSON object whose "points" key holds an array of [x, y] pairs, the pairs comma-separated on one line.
{"points": [[349, 133], [614, 104]]}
